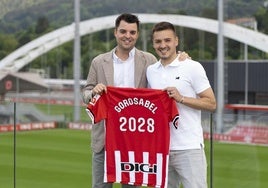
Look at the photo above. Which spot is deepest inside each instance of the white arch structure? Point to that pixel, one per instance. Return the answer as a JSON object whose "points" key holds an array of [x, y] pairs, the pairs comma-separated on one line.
{"points": [[25, 54]]}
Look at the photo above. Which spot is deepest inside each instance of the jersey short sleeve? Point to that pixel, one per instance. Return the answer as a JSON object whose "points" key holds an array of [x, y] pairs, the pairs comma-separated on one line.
{"points": [[137, 134]]}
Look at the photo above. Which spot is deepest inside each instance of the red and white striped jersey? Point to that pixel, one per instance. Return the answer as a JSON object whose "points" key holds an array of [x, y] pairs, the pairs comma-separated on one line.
{"points": [[137, 134]]}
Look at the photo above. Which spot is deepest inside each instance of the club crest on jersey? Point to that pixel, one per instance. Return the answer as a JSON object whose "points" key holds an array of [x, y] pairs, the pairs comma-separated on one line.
{"points": [[94, 99], [139, 167]]}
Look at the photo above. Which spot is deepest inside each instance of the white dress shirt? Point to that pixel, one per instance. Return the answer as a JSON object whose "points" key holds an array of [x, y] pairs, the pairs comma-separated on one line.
{"points": [[124, 70]]}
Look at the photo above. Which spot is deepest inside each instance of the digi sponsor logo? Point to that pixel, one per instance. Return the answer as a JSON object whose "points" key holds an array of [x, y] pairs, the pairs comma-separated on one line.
{"points": [[139, 167]]}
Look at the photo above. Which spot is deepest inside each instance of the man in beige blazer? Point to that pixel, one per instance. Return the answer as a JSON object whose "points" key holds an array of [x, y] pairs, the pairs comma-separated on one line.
{"points": [[124, 66]]}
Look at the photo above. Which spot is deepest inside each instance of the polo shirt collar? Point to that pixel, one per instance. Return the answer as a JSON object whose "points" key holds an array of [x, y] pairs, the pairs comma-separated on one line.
{"points": [[174, 63]]}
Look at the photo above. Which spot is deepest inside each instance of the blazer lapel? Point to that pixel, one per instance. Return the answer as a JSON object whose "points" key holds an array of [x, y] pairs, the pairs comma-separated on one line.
{"points": [[139, 67], [108, 69]]}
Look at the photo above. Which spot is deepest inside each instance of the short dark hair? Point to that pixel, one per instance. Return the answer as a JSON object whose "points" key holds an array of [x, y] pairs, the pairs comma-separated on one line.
{"points": [[163, 26], [129, 18]]}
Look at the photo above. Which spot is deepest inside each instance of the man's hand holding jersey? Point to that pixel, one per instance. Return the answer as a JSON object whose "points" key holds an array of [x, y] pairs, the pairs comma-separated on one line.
{"points": [[89, 94]]}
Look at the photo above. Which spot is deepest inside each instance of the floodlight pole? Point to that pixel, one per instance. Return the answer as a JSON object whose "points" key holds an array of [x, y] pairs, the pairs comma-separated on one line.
{"points": [[246, 72], [220, 69], [76, 63]]}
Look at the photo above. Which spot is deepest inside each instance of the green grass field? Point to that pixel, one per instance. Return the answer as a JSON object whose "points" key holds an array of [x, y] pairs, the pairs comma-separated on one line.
{"points": [[61, 158], [57, 158]]}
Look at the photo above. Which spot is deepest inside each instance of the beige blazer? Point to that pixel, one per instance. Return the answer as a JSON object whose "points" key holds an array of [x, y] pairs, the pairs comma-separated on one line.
{"points": [[102, 71]]}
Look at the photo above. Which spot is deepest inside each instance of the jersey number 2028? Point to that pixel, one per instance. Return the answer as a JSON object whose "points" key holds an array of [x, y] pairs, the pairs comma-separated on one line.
{"points": [[136, 124]]}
